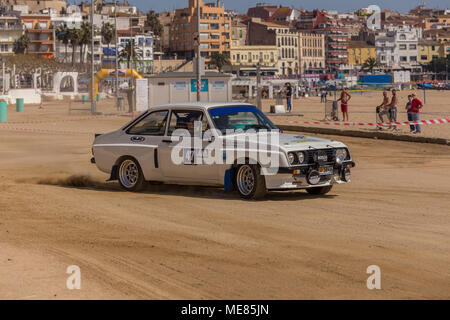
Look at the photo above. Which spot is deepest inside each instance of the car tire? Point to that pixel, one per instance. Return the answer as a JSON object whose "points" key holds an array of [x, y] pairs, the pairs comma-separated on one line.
{"points": [[319, 190], [130, 175], [249, 182]]}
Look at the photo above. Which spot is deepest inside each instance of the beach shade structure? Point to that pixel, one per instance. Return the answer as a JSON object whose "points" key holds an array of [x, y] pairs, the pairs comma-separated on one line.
{"points": [[3, 111], [20, 105]]}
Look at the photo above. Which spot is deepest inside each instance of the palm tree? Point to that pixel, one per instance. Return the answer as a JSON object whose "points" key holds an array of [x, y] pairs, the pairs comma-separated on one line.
{"points": [[219, 60], [63, 35], [370, 64], [108, 33], [85, 38], [154, 23], [74, 39], [130, 51], [21, 44]]}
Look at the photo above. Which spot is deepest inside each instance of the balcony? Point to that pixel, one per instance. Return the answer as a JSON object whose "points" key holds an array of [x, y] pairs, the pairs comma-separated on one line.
{"points": [[11, 28]]}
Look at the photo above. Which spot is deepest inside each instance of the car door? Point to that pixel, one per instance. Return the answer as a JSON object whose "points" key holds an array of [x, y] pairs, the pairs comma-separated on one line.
{"points": [[144, 138], [181, 157]]}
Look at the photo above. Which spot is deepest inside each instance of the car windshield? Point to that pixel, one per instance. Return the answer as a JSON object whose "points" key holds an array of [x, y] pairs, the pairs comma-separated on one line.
{"points": [[240, 118]]}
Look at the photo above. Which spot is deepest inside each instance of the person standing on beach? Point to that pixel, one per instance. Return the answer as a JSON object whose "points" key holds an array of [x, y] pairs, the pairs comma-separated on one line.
{"points": [[323, 95], [382, 108], [344, 99], [393, 108], [288, 91], [412, 127], [416, 105]]}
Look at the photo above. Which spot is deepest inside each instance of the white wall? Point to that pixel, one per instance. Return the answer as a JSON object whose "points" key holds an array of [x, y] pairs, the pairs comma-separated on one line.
{"points": [[32, 96]]}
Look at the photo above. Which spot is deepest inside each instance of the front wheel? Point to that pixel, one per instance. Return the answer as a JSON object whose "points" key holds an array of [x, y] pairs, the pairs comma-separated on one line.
{"points": [[249, 182], [130, 175], [319, 190]]}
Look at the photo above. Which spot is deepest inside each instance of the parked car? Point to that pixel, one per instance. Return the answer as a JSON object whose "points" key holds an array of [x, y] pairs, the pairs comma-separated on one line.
{"points": [[144, 150]]}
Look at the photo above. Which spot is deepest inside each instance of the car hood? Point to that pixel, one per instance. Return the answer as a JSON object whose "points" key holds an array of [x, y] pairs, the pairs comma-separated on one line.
{"points": [[295, 142]]}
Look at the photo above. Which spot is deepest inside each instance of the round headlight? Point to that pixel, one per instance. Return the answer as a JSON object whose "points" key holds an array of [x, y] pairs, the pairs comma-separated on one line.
{"points": [[341, 155], [291, 158], [301, 157], [313, 177]]}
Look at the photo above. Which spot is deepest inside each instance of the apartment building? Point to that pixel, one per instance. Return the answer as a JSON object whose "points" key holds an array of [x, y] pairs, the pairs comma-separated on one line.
{"points": [[238, 34], [311, 52], [359, 52], [35, 6], [251, 55], [10, 30], [428, 50], [279, 35], [397, 46], [436, 22], [335, 34], [215, 30], [40, 31], [263, 11]]}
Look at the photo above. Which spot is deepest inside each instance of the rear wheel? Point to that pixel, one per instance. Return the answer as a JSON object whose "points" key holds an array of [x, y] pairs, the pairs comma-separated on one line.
{"points": [[249, 182], [319, 190], [130, 175]]}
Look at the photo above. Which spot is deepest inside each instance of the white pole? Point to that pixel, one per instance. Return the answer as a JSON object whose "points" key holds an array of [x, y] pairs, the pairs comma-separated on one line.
{"points": [[93, 111], [199, 77], [3, 78], [116, 89]]}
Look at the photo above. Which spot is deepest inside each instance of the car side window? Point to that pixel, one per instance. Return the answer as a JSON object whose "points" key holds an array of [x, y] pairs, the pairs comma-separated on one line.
{"points": [[154, 124], [185, 119]]}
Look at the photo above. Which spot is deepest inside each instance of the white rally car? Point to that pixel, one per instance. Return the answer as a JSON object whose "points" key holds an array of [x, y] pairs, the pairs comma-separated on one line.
{"points": [[233, 145]]}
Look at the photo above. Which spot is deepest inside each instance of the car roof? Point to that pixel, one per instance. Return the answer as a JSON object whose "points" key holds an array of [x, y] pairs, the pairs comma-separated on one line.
{"points": [[205, 105]]}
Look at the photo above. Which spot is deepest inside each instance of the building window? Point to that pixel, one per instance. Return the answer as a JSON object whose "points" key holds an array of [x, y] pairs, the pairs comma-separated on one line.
{"points": [[412, 47], [204, 26], [402, 47], [403, 59], [204, 35], [413, 58]]}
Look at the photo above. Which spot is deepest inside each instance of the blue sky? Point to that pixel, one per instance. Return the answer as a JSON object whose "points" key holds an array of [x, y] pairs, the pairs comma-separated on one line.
{"points": [[342, 5]]}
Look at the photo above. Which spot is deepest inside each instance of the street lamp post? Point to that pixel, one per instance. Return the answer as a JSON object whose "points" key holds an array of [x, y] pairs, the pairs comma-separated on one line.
{"points": [[93, 107], [199, 78], [116, 72], [258, 86]]}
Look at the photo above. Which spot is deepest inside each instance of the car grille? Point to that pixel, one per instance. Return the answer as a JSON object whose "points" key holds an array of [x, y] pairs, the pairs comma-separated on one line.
{"points": [[328, 152]]}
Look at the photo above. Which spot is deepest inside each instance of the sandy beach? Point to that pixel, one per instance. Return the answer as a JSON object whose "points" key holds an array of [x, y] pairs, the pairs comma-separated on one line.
{"points": [[179, 242]]}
